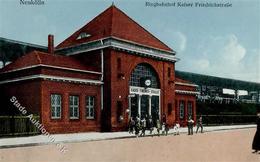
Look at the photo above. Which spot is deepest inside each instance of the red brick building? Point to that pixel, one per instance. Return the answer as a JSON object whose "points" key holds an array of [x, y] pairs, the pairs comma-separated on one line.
{"points": [[100, 76]]}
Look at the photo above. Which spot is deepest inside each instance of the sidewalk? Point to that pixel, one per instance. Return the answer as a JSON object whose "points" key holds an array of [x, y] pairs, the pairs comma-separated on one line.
{"points": [[94, 136]]}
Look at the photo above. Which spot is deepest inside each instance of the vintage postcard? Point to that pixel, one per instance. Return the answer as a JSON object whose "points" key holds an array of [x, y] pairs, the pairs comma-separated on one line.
{"points": [[130, 80]]}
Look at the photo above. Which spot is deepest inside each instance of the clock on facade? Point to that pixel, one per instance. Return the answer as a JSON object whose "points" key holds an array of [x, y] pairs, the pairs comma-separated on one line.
{"points": [[147, 82]]}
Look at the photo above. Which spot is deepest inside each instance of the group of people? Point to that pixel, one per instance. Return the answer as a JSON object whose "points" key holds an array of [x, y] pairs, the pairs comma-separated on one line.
{"points": [[138, 126], [191, 123]]}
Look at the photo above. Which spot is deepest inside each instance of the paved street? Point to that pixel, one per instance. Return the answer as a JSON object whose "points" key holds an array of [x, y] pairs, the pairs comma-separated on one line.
{"points": [[226, 145], [94, 136]]}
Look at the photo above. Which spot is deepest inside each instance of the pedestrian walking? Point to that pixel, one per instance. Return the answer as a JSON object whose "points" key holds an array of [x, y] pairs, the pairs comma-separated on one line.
{"points": [[131, 125], [256, 140], [199, 125], [165, 127], [158, 126], [190, 126], [176, 129], [143, 127], [150, 124], [137, 125]]}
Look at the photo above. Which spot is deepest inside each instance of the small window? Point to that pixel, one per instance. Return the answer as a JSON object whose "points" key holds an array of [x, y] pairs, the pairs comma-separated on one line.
{"points": [[169, 108], [181, 109], [55, 106], [90, 105], [74, 107], [190, 109], [119, 111], [83, 35], [119, 64], [169, 72]]}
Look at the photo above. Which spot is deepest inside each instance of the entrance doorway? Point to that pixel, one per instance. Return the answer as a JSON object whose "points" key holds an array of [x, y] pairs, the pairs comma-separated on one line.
{"points": [[144, 92], [144, 102]]}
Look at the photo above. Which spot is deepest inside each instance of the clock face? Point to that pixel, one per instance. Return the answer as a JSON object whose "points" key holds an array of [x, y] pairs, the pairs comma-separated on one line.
{"points": [[147, 82]]}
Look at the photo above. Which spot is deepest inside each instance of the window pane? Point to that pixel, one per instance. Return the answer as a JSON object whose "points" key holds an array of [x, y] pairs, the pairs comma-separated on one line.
{"points": [[87, 113], [75, 112], [92, 112], [58, 111], [55, 105], [76, 100], [58, 99], [53, 111], [71, 112], [91, 101], [90, 106], [181, 109], [52, 100], [71, 100], [143, 70]]}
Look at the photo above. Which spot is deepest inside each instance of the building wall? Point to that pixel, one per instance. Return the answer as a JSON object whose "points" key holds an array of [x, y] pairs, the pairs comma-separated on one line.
{"points": [[186, 98], [27, 93], [35, 94], [65, 124], [117, 83]]}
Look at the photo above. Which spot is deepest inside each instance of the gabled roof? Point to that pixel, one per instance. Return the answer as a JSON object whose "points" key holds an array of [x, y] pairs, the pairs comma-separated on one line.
{"points": [[42, 58], [114, 23]]}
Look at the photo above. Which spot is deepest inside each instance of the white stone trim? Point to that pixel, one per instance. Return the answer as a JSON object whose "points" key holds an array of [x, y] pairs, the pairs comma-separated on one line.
{"points": [[97, 40], [186, 92], [186, 84], [50, 77], [145, 52], [114, 42], [128, 41], [51, 66], [88, 50], [132, 42]]}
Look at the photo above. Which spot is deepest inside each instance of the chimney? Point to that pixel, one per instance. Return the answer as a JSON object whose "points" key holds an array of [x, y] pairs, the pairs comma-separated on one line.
{"points": [[50, 44]]}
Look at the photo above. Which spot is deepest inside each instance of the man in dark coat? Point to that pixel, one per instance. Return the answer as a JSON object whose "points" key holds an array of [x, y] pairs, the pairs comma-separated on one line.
{"points": [[256, 141], [190, 126], [150, 124]]}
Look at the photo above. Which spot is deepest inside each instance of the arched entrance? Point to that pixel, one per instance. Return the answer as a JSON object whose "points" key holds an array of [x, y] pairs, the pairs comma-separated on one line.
{"points": [[144, 89]]}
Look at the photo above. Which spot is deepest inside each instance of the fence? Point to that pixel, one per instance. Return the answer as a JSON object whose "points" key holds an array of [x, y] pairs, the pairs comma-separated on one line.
{"points": [[17, 125], [228, 119]]}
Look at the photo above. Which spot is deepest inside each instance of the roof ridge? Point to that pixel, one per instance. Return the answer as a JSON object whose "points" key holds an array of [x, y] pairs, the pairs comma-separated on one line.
{"points": [[142, 27], [112, 22], [112, 18], [88, 22]]}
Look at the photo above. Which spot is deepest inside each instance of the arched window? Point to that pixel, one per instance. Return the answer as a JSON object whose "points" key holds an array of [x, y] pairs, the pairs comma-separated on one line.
{"points": [[144, 71]]}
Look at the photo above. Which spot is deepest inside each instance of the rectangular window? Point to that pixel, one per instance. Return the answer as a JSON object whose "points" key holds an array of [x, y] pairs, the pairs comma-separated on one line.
{"points": [[74, 107], [181, 109], [119, 64], [190, 108], [55, 106], [90, 107], [169, 72], [119, 110], [169, 108]]}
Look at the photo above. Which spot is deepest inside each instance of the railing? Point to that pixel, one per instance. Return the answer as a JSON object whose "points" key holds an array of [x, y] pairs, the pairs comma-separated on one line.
{"points": [[228, 119], [17, 126]]}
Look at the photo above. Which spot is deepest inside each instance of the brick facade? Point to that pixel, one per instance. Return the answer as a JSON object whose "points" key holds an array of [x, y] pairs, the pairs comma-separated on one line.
{"points": [[33, 78]]}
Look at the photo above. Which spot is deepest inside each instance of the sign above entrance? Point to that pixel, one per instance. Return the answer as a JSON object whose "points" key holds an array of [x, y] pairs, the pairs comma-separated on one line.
{"points": [[144, 91]]}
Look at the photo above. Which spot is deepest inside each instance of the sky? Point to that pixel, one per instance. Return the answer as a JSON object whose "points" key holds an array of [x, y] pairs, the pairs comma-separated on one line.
{"points": [[223, 42]]}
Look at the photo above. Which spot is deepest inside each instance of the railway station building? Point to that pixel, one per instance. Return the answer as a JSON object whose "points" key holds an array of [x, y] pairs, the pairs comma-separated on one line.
{"points": [[109, 70]]}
